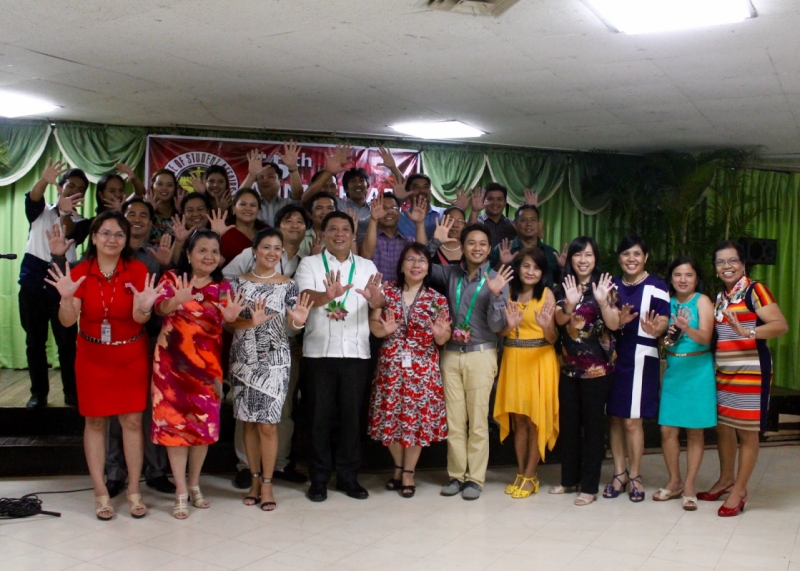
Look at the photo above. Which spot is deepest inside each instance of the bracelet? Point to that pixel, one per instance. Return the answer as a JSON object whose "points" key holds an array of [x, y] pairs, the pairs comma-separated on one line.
{"points": [[70, 306], [292, 170], [62, 213], [296, 326], [148, 312]]}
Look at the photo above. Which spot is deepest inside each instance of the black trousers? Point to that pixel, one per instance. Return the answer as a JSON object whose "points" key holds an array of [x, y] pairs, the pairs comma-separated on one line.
{"points": [[582, 432], [335, 391], [38, 309]]}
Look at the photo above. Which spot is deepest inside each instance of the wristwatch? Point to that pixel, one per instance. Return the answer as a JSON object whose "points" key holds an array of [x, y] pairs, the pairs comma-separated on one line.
{"points": [[753, 333]]}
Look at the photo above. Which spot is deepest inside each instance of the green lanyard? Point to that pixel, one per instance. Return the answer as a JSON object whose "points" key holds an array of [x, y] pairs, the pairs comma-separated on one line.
{"points": [[352, 272], [472, 301]]}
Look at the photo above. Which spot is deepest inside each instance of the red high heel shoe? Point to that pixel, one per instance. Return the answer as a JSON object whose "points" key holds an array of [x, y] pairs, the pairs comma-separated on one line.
{"points": [[734, 511], [709, 497]]}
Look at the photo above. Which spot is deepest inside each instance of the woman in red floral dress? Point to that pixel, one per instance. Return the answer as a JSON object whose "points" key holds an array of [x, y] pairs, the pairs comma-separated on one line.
{"points": [[407, 408]]}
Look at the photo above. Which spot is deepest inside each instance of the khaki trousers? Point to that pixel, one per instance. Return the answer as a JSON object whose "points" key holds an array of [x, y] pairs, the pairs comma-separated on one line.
{"points": [[468, 380]]}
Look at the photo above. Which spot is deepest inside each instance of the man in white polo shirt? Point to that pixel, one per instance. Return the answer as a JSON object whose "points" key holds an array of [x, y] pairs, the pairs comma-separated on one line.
{"points": [[335, 365]]}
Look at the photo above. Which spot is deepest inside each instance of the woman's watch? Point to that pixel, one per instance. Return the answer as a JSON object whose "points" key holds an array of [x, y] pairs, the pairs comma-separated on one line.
{"points": [[753, 333]]}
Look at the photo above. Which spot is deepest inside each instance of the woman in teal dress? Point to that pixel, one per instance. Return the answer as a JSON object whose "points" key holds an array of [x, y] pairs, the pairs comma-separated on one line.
{"points": [[688, 392]]}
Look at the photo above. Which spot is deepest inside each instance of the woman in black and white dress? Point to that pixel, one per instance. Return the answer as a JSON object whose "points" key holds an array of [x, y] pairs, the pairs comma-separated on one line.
{"points": [[260, 358]]}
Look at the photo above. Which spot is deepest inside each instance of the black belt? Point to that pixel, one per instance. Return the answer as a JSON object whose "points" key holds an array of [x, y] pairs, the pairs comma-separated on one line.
{"points": [[469, 348], [99, 342]]}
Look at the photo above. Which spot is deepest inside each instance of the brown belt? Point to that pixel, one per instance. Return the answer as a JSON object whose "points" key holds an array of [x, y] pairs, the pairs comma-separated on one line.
{"points": [[693, 354], [525, 343]]}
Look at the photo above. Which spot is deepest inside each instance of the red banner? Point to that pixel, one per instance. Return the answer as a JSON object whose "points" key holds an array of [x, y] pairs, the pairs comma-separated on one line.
{"points": [[192, 155]]}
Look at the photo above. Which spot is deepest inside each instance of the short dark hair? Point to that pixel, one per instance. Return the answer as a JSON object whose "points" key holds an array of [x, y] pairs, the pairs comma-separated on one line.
{"points": [[350, 174], [496, 187], [101, 188], [540, 259], [579, 245], [218, 169], [78, 173], [724, 245], [274, 166], [679, 261], [321, 173], [525, 207], [449, 210], [392, 196], [630, 241], [475, 227], [323, 194], [94, 228], [337, 214], [416, 176], [290, 209], [184, 267], [267, 232], [417, 248], [195, 196], [139, 200]]}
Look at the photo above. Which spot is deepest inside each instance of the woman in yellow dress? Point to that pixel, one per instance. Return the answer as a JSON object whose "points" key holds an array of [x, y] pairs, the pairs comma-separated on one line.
{"points": [[527, 388]]}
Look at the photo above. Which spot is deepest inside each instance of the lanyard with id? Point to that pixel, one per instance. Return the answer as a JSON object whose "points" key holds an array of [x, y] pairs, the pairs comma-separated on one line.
{"points": [[463, 332], [336, 309], [405, 356], [105, 327]]}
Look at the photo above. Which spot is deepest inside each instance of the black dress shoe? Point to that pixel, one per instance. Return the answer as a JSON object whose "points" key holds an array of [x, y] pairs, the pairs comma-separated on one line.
{"points": [[353, 489], [35, 402], [71, 400], [161, 484], [243, 479], [115, 487], [289, 474], [317, 492]]}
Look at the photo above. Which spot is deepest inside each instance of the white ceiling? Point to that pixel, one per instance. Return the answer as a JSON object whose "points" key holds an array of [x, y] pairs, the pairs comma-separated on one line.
{"points": [[547, 73]]}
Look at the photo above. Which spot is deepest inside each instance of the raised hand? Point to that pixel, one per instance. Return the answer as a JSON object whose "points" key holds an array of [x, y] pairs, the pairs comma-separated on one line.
{"points": [[163, 252], [372, 291], [146, 298], [513, 314], [649, 324], [419, 206], [626, 314], [255, 162], [290, 154], [500, 279], [178, 198], [197, 183], [57, 240], [441, 325], [150, 196], [571, 290], [462, 198], [126, 170], [232, 306], [336, 160], [316, 244], [183, 290], [545, 318], [179, 229], [399, 186], [217, 222], [69, 203], [443, 227], [224, 199], [377, 211], [63, 282], [258, 312], [506, 257], [353, 214], [531, 197], [478, 200], [681, 321], [389, 323], [735, 324], [602, 288], [299, 314], [562, 257], [53, 170], [333, 286], [387, 158]]}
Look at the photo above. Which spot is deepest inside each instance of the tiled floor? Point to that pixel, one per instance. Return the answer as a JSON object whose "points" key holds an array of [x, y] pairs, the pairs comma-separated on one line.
{"points": [[427, 532]]}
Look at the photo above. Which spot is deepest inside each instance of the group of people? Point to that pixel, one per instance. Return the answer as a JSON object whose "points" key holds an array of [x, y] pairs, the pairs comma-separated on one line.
{"points": [[421, 310]]}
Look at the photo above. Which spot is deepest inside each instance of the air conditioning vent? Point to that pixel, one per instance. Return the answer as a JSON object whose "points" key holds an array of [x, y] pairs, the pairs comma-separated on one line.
{"points": [[473, 7]]}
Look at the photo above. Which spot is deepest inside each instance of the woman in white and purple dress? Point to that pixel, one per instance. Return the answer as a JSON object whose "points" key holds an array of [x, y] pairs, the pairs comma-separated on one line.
{"points": [[634, 391]]}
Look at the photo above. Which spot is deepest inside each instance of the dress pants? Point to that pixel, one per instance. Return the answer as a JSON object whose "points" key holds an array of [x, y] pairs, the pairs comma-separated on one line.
{"points": [[38, 309], [335, 391], [583, 426], [468, 380]]}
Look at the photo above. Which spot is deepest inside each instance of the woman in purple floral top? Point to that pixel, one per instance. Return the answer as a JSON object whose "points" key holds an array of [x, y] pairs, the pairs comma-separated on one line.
{"points": [[587, 311]]}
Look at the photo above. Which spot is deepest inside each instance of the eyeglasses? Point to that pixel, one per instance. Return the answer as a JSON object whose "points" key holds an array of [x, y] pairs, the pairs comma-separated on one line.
{"points": [[457, 222], [391, 208], [108, 235], [412, 261], [728, 262]]}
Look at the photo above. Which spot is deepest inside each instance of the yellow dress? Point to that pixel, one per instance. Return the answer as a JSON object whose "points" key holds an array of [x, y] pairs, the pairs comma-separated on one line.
{"points": [[528, 381]]}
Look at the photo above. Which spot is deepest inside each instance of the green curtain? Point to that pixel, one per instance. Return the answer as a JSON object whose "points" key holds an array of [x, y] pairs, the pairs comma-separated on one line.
{"points": [[96, 149], [779, 198], [451, 168], [541, 172], [26, 143]]}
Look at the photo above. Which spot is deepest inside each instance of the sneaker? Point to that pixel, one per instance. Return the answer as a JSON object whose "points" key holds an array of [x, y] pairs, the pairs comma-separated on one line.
{"points": [[452, 488], [471, 491]]}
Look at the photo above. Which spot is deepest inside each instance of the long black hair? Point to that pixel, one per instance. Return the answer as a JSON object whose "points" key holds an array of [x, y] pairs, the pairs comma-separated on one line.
{"points": [[579, 245], [540, 259], [94, 228], [417, 248], [184, 267], [679, 261]]}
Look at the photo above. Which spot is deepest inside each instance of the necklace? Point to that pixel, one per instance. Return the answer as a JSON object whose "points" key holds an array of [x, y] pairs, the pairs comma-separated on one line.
{"points": [[637, 282], [107, 275], [452, 249], [272, 275]]}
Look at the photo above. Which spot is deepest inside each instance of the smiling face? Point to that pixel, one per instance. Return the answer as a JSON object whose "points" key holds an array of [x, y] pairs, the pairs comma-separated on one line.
{"points": [[476, 247], [421, 186], [684, 279], [216, 183], [110, 239], [164, 187], [338, 236], [529, 273], [330, 186], [269, 183], [357, 189], [138, 216], [268, 254], [195, 212], [320, 209], [729, 266], [73, 185], [583, 263], [246, 208], [527, 224], [204, 256], [293, 227], [114, 190], [494, 203], [632, 262], [415, 268], [390, 219], [458, 224]]}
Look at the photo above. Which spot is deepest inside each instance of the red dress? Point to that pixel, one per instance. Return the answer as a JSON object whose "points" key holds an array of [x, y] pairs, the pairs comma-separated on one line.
{"points": [[111, 379], [233, 243], [407, 404]]}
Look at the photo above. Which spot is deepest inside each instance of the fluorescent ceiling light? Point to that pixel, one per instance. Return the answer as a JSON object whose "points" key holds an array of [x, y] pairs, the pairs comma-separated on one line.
{"points": [[651, 16], [438, 130], [16, 105]]}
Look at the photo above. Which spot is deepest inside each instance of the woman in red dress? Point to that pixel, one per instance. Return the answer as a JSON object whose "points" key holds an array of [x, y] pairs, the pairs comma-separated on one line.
{"points": [[114, 296], [407, 408], [243, 225]]}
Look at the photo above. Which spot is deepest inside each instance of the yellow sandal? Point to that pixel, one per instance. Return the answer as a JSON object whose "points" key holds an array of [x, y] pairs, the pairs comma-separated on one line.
{"points": [[511, 488], [520, 493]]}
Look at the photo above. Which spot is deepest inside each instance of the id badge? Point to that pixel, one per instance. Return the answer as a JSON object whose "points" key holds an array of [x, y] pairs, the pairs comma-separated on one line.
{"points": [[405, 360], [105, 331]]}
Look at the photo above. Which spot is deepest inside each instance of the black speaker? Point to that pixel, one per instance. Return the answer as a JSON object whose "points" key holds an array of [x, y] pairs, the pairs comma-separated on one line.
{"points": [[759, 251]]}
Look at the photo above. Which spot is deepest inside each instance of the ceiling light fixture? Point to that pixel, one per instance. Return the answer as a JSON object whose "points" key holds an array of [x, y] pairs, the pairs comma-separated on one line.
{"points": [[438, 130], [16, 105], [653, 16]]}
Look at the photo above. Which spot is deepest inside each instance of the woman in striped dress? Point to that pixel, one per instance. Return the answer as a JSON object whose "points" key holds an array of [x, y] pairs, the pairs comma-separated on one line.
{"points": [[745, 315]]}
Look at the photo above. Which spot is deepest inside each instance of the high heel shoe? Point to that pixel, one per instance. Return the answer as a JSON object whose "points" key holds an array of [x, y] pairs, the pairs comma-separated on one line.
{"points": [[713, 497], [610, 491], [734, 511], [394, 483], [181, 509], [197, 498], [511, 488], [253, 500], [520, 493]]}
